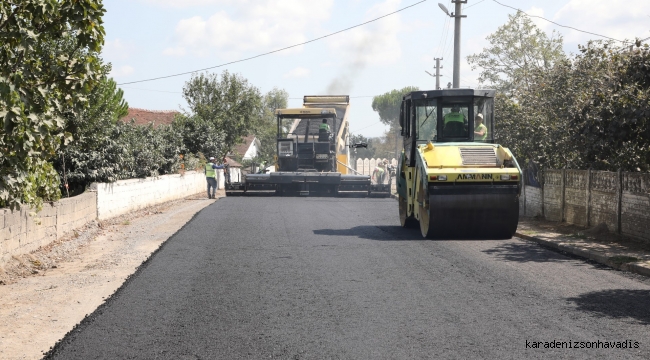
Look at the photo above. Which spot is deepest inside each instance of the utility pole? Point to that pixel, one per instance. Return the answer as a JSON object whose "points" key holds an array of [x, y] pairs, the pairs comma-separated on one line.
{"points": [[438, 67], [457, 16]]}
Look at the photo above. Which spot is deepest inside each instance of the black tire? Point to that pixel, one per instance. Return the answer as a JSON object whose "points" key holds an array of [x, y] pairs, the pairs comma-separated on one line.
{"points": [[425, 217], [405, 221]]}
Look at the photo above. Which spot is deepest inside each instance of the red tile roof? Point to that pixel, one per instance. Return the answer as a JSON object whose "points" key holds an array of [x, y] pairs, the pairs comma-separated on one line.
{"points": [[232, 162], [240, 149], [145, 117]]}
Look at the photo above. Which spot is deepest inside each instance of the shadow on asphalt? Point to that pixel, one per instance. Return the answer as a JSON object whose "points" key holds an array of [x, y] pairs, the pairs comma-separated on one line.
{"points": [[618, 304], [525, 252], [388, 233], [379, 233]]}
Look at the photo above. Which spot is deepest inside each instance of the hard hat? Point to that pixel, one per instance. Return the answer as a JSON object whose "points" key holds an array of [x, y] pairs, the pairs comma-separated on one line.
{"points": [[211, 157], [480, 116]]}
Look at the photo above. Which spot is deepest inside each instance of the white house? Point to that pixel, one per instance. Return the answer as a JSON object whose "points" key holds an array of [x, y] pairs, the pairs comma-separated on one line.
{"points": [[249, 148]]}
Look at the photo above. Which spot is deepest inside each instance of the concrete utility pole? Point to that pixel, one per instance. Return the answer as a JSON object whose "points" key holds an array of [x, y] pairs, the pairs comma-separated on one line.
{"points": [[438, 67], [457, 16]]}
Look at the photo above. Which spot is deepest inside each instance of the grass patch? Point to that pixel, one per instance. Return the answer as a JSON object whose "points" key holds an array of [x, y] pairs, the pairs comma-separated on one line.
{"points": [[126, 222], [620, 260], [529, 232]]}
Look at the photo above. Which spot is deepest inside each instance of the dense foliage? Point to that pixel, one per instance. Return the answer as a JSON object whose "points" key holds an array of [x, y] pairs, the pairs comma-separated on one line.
{"points": [[266, 129], [127, 151], [38, 84], [387, 106], [591, 110], [228, 104], [517, 50]]}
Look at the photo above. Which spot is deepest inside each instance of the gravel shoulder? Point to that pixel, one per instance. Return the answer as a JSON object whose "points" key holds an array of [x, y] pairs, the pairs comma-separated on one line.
{"points": [[43, 295]]}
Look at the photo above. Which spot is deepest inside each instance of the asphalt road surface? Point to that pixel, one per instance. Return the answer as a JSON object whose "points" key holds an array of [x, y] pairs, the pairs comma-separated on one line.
{"points": [[324, 278]]}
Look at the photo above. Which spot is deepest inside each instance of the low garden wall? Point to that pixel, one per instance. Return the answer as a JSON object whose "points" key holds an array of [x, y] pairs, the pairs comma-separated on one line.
{"points": [[23, 231]]}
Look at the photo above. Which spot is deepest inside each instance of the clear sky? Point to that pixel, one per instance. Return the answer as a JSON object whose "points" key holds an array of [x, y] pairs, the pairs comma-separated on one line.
{"points": [[152, 38]]}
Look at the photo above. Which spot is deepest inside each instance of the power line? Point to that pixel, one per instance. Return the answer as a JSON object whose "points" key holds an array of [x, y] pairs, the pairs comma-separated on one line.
{"points": [[161, 91], [351, 97], [357, 130], [442, 33], [278, 50], [467, 7], [553, 22]]}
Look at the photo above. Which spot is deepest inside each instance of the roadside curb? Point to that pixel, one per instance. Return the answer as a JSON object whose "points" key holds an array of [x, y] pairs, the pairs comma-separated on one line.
{"points": [[588, 254]]}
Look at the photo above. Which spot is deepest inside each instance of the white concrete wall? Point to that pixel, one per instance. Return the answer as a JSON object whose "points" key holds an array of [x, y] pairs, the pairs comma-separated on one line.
{"points": [[122, 196]]}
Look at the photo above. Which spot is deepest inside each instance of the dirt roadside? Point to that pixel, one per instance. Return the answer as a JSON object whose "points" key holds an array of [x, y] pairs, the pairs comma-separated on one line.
{"points": [[48, 292]]}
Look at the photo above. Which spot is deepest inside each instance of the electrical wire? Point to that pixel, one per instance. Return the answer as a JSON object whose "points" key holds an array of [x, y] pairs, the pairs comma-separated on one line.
{"points": [[467, 7], [277, 50], [357, 130], [160, 91], [442, 33], [553, 22], [447, 30]]}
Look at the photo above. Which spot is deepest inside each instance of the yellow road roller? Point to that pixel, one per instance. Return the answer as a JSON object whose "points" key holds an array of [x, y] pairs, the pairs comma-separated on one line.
{"points": [[453, 179]]}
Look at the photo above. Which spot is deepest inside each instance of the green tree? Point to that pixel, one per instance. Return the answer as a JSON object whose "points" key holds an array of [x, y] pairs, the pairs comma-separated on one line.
{"points": [[93, 121], [37, 85], [609, 112], [516, 49], [266, 130], [387, 106], [199, 135], [87, 159], [227, 102], [362, 153], [589, 112]]}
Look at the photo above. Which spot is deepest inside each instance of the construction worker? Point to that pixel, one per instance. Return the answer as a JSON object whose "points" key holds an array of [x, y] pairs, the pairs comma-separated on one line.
{"points": [[455, 115], [262, 168], [480, 130], [379, 172], [211, 176], [454, 123], [226, 169], [324, 131]]}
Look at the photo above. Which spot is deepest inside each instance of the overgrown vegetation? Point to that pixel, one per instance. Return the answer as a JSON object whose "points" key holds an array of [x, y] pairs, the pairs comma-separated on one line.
{"points": [[591, 110], [40, 78], [60, 112], [225, 109], [106, 149]]}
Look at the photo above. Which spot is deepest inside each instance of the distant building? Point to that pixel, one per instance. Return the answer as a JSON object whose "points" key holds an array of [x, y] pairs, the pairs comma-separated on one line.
{"points": [[248, 149], [235, 170], [146, 117]]}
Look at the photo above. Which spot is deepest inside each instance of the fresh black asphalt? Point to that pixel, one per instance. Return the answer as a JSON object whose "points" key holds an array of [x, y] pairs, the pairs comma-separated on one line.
{"points": [[328, 278]]}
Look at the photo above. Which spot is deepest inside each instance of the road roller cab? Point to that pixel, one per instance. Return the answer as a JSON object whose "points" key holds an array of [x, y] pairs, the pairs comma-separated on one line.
{"points": [[452, 177]]}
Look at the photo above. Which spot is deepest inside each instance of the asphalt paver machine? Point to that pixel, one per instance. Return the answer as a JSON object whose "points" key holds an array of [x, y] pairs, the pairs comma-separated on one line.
{"points": [[311, 160], [452, 178]]}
